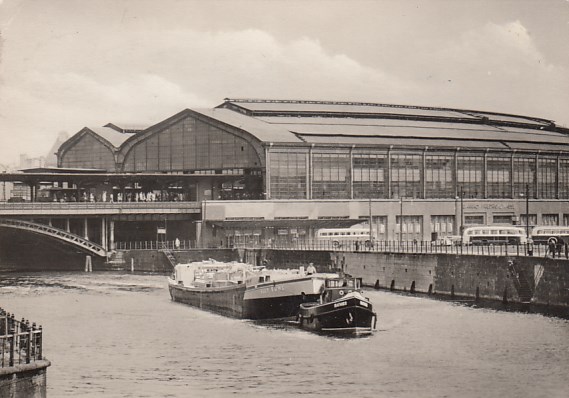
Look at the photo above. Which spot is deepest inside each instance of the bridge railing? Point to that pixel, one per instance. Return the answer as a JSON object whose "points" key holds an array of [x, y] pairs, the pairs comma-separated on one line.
{"points": [[158, 245], [95, 205], [20, 342]]}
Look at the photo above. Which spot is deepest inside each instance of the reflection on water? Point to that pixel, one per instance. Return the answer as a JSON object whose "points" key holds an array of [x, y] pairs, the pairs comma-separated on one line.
{"points": [[119, 335]]}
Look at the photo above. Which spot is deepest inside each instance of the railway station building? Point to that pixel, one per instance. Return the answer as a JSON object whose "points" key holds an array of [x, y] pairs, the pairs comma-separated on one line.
{"points": [[279, 170]]}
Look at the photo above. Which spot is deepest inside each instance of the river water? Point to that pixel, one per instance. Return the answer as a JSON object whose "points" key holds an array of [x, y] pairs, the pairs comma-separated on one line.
{"points": [[119, 335]]}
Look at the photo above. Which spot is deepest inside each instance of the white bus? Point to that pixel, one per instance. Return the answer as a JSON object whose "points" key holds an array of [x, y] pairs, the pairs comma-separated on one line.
{"points": [[543, 234], [494, 235], [339, 237]]}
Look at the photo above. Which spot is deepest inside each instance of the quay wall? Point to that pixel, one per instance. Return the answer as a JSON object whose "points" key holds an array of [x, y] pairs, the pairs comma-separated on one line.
{"points": [[545, 280], [156, 261], [24, 381]]}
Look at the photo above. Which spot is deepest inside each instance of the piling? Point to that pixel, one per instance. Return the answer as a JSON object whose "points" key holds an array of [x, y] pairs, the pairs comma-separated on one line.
{"points": [[88, 264]]}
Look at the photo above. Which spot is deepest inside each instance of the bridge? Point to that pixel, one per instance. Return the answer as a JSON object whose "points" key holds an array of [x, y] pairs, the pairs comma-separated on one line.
{"points": [[56, 233], [92, 226]]}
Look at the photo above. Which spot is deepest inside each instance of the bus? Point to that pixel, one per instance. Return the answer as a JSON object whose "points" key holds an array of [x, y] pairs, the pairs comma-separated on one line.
{"points": [[544, 234], [494, 235], [339, 237]]}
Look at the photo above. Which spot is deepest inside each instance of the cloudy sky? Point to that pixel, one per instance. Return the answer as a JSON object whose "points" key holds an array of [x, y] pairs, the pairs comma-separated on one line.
{"points": [[66, 64]]}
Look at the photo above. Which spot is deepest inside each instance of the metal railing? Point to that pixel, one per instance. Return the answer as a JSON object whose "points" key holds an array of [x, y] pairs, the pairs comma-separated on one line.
{"points": [[20, 342], [415, 247], [97, 205], [158, 245]]}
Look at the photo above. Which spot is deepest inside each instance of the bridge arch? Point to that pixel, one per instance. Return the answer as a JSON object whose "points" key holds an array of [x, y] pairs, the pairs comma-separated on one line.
{"points": [[81, 243]]}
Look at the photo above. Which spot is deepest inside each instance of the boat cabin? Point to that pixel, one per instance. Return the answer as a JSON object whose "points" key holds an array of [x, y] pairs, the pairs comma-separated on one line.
{"points": [[336, 288]]}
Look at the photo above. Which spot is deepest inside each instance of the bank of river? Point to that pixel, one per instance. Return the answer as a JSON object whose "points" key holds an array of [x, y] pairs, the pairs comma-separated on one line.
{"points": [[119, 335]]}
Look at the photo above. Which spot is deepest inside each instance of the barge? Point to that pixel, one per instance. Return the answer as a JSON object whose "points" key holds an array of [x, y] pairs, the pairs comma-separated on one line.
{"points": [[244, 291]]}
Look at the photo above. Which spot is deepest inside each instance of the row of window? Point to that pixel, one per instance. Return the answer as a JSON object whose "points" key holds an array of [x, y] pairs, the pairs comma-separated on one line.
{"points": [[379, 175]]}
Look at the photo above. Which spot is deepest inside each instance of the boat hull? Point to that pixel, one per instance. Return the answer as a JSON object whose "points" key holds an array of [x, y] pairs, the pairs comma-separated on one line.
{"points": [[226, 301], [350, 316], [280, 299]]}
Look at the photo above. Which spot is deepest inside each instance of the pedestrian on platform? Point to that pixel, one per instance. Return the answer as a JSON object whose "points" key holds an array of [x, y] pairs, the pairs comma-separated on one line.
{"points": [[551, 248]]}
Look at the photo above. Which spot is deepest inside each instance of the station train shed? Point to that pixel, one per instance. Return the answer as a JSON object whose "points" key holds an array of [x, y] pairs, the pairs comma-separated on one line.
{"points": [[278, 170]]}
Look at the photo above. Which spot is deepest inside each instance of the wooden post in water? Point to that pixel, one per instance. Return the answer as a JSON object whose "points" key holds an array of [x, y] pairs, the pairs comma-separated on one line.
{"points": [[88, 264]]}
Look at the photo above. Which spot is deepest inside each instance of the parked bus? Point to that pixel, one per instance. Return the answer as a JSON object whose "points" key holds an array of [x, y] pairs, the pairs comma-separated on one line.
{"points": [[339, 237], [544, 234], [494, 235]]}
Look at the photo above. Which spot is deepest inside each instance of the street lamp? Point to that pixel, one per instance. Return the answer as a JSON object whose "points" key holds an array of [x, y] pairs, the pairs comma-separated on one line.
{"points": [[527, 215], [461, 228], [527, 211], [401, 221]]}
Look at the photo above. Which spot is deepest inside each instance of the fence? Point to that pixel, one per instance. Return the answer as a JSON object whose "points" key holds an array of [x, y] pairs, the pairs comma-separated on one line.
{"points": [[158, 245], [419, 247], [20, 342]]}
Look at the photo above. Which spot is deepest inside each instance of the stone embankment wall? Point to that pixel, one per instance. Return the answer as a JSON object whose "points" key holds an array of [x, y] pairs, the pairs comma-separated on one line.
{"points": [[514, 279], [24, 381], [156, 261]]}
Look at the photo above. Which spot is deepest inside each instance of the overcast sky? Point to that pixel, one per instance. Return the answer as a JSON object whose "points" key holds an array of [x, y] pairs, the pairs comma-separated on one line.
{"points": [[67, 64]]}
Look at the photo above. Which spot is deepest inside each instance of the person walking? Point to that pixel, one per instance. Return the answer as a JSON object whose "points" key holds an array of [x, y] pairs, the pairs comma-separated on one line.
{"points": [[551, 246]]}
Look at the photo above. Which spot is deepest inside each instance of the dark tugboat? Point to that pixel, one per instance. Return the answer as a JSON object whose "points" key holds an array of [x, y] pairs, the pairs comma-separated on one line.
{"points": [[341, 309]]}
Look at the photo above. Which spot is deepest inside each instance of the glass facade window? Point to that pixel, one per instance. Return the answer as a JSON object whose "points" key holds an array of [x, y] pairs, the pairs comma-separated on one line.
{"points": [[502, 219], [442, 225], [550, 219], [379, 223], [532, 219], [406, 176], [474, 220], [498, 182], [89, 153], [524, 174], [288, 175], [546, 178], [470, 170], [563, 178], [370, 176], [330, 176], [565, 219], [439, 181], [191, 145], [412, 228]]}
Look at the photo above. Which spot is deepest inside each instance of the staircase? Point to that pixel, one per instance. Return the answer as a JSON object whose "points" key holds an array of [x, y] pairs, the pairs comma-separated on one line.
{"points": [[169, 255], [524, 289], [117, 258]]}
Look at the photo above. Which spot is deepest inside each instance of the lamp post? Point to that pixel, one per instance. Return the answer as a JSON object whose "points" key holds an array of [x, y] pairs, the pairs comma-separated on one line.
{"points": [[527, 211], [461, 228], [370, 224], [401, 221], [529, 249]]}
